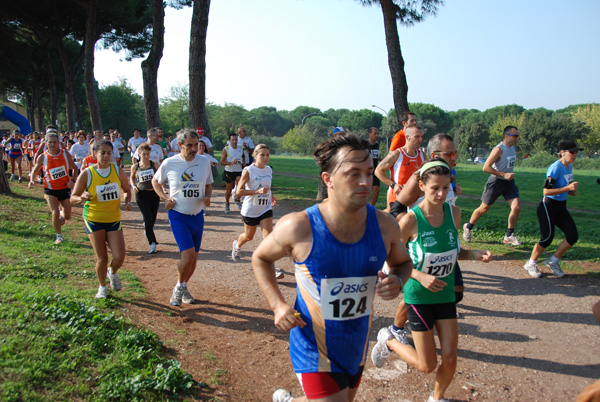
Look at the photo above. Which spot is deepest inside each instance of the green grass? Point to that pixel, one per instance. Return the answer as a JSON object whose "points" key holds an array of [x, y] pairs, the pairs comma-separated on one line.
{"points": [[489, 230], [56, 341]]}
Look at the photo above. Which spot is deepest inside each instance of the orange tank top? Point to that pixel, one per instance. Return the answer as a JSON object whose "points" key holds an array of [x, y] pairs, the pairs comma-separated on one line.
{"points": [[56, 171]]}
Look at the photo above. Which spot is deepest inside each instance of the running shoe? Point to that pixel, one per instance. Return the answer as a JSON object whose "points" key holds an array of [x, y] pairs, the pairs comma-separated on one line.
{"points": [[512, 239], [115, 281], [59, 239], [20, 179], [381, 351], [532, 269], [555, 267], [12, 177], [467, 233], [279, 273], [152, 249], [186, 297], [227, 208], [61, 218], [235, 251], [399, 335], [239, 205], [177, 296], [102, 292], [430, 399], [282, 395]]}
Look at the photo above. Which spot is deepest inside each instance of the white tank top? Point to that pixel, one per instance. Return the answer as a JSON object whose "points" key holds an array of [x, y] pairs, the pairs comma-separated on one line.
{"points": [[255, 205]]}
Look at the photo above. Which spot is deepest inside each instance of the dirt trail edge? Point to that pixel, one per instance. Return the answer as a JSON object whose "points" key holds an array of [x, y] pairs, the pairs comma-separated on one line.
{"points": [[520, 339]]}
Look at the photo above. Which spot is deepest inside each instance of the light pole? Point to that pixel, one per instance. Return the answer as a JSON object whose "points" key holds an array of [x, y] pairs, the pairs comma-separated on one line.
{"points": [[387, 140], [310, 114]]}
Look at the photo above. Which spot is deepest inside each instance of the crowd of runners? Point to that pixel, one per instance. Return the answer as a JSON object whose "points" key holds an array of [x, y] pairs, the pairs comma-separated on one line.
{"points": [[345, 251]]}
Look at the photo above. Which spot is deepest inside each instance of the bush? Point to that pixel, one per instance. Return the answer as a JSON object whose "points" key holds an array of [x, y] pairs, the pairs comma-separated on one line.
{"points": [[586, 164], [538, 160]]}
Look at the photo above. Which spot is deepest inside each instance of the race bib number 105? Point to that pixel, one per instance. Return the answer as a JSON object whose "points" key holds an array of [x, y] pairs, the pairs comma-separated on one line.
{"points": [[347, 298]]}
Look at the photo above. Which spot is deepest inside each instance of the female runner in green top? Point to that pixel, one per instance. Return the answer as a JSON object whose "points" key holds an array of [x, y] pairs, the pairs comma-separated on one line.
{"points": [[430, 231]]}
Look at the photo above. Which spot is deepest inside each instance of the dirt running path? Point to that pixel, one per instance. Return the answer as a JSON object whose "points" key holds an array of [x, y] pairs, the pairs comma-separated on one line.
{"points": [[521, 339]]}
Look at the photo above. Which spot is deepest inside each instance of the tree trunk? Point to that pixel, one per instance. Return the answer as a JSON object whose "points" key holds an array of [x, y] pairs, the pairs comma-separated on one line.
{"points": [[53, 94], [198, 66], [395, 60], [4, 186], [88, 63], [151, 64], [69, 86]]}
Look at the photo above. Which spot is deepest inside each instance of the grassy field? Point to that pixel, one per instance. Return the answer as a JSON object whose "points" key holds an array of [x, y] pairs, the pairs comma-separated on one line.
{"points": [[57, 342], [292, 182]]}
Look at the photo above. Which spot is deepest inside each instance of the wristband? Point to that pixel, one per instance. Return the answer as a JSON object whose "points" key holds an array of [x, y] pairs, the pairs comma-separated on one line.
{"points": [[393, 185]]}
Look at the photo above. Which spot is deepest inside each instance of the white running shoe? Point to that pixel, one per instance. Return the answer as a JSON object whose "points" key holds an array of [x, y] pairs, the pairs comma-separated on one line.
{"points": [[279, 273], [555, 267], [430, 399], [467, 233], [532, 269], [12, 177], [380, 351], [399, 335], [512, 239], [59, 239], [177, 296], [282, 395], [235, 251], [227, 208], [186, 297], [115, 282], [152, 249], [102, 292]]}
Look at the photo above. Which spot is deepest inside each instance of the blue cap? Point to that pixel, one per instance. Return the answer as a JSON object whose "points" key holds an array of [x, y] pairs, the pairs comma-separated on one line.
{"points": [[335, 130]]}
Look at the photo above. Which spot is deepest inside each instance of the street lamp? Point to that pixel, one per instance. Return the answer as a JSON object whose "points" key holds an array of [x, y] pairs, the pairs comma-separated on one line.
{"points": [[387, 140], [310, 114]]}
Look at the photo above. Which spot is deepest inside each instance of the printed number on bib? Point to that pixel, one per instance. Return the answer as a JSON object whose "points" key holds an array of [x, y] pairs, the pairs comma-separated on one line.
{"points": [[192, 189], [347, 298], [511, 161], [57, 172], [569, 178], [145, 175], [108, 192], [262, 199], [439, 264]]}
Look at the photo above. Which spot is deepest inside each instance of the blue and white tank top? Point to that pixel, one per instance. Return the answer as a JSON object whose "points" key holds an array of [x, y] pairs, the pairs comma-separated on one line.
{"points": [[335, 291]]}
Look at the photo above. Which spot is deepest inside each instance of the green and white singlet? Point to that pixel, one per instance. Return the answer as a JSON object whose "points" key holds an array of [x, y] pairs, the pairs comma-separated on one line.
{"points": [[434, 251]]}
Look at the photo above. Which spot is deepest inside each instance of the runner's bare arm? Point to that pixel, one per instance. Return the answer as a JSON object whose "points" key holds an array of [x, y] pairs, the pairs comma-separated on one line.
{"points": [[224, 157], [78, 193], [290, 232], [73, 167], [126, 188], [132, 177], [385, 165], [38, 165], [160, 191], [207, 194], [493, 158], [411, 191], [397, 259]]}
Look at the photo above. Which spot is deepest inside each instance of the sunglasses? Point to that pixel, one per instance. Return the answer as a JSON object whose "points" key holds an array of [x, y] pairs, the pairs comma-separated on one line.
{"points": [[448, 154], [513, 135]]}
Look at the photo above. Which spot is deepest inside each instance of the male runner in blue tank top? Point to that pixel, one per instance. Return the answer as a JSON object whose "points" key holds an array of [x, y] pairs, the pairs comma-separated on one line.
{"points": [[339, 247]]}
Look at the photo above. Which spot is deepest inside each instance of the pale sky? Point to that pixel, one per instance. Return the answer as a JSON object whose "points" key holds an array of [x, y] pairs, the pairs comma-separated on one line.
{"points": [[332, 54]]}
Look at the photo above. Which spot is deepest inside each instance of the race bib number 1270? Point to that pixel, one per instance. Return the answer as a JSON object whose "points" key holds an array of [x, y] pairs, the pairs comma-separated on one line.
{"points": [[347, 298]]}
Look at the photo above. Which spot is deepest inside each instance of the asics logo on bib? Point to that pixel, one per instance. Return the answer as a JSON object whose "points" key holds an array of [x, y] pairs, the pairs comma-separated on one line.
{"points": [[108, 187], [191, 186], [440, 259], [354, 288]]}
